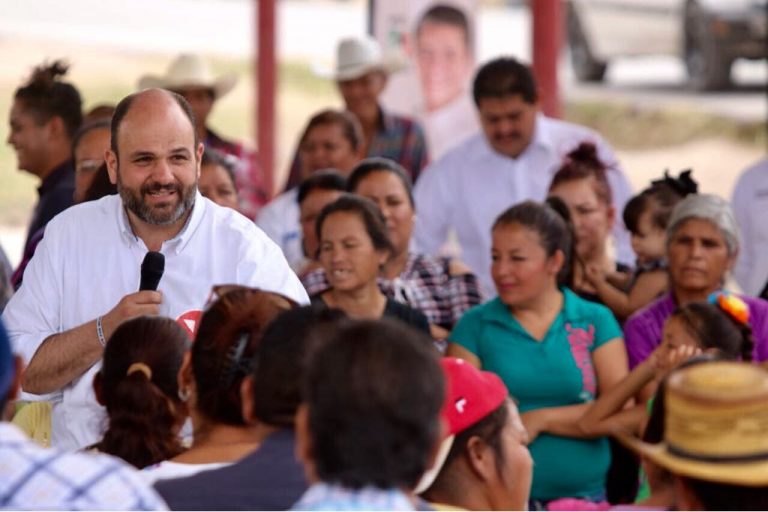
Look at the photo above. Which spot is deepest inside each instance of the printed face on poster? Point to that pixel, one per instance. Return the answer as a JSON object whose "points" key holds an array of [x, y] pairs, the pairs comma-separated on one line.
{"points": [[437, 39]]}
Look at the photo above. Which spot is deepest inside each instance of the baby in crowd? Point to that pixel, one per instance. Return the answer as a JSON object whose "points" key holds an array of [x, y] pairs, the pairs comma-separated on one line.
{"points": [[646, 216]]}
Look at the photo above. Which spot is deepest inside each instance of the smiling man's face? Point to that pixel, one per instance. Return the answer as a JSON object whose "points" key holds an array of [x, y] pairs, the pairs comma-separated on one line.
{"points": [[157, 165], [508, 123]]}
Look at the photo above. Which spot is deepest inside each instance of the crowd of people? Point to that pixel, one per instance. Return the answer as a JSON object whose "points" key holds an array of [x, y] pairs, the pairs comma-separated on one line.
{"points": [[171, 339]]}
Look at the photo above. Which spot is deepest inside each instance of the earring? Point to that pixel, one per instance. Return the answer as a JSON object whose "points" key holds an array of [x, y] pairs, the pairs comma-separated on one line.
{"points": [[184, 394]]}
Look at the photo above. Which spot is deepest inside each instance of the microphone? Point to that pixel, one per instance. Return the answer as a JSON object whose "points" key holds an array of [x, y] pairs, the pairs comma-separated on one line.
{"points": [[152, 270]]}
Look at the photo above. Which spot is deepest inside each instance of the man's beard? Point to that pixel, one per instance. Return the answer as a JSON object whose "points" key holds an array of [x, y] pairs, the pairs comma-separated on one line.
{"points": [[185, 199]]}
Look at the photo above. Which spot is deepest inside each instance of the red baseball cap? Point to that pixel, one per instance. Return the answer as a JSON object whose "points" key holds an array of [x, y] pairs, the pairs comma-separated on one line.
{"points": [[472, 395]]}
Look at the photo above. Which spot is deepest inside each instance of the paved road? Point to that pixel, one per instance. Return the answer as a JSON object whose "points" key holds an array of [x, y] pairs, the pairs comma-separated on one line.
{"points": [[310, 29]]}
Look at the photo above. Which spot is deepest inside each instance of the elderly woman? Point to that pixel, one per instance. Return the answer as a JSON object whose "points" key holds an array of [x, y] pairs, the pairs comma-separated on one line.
{"points": [[702, 245]]}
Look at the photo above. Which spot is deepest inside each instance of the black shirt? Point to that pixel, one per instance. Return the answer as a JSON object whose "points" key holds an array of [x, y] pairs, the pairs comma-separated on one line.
{"points": [[55, 195], [393, 309]]}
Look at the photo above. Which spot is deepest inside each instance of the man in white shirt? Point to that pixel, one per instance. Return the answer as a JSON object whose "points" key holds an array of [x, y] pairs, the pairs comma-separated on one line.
{"points": [[82, 282], [750, 202], [513, 159]]}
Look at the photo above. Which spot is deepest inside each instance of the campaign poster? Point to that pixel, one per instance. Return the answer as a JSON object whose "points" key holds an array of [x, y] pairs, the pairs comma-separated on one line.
{"points": [[437, 42]]}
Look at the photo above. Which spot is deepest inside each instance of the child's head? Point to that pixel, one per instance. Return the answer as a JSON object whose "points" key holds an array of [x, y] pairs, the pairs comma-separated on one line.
{"points": [[647, 214], [719, 326], [217, 179]]}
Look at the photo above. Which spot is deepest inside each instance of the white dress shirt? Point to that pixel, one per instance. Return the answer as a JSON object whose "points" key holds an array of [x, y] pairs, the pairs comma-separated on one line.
{"points": [[281, 221], [471, 185], [750, 205], [89, 259]]}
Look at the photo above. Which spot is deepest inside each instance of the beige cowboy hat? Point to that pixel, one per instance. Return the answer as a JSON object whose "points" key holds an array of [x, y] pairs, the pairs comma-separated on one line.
{"points": [[190, 70], [356, 56], [715, 425]]}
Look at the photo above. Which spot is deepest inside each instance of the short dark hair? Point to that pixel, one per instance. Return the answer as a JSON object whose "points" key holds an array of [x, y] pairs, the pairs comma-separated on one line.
{"points": [[45, 96], [504, 76], [122, 109], [350, 126], [374, 392], [551, 222], [226, 342], [447, 15], [217, 158], [369, 213], [85, 129], [634, 208], [379, 164], [142, 420], [328, 179], [661, 198], [280, 360]]}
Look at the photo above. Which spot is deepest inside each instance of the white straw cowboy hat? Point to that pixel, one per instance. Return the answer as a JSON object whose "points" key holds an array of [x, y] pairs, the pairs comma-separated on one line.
{"points": [[189, 70], [715, 425], [357, 56]]}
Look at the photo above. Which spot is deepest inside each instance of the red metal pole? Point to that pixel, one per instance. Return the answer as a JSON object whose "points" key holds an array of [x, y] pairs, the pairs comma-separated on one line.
{"points": [[547, 16], [266, 66]]}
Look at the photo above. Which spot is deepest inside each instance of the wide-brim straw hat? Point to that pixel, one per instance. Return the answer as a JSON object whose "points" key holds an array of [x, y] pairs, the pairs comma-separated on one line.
{"points": [[190, 70], [715, 426], [357, 56]]}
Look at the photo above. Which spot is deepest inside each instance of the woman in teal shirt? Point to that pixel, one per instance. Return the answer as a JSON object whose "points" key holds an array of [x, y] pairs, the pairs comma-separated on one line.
{"points": [[553, 350]]}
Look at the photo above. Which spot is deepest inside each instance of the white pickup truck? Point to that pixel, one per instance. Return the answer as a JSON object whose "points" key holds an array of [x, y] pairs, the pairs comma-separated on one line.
{"points": [[708, 35]]}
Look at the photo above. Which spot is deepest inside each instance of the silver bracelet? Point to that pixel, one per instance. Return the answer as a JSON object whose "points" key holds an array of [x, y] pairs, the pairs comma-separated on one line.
{"points": [[100, 332]]}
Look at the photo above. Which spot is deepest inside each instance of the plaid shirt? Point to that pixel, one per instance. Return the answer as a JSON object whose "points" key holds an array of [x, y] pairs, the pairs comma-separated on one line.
{"points": [[322, 496], [36, 478], [249, 178], [399, 138], [425, 284]]}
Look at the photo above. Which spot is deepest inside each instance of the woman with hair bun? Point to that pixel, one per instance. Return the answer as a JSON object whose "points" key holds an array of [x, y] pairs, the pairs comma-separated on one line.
{"points": [[582, 184], [137, 384]]}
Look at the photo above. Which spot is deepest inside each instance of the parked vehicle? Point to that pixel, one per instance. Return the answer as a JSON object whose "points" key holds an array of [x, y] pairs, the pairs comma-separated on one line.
{"points": [[708, 35]]}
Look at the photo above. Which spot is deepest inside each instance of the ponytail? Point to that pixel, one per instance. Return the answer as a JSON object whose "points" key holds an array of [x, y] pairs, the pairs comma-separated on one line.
{"points": [[138, 385], [142, 423]]}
